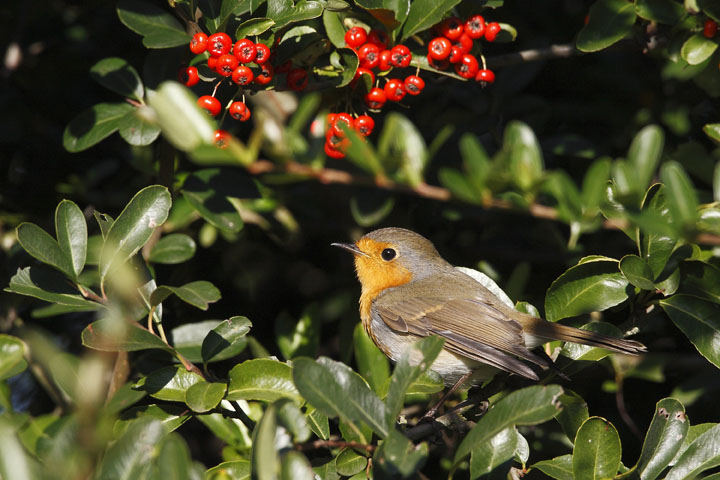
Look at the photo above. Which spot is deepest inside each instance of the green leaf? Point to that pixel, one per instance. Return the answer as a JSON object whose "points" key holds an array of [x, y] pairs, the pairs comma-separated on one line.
{"points": [[130, 454], [361, 153], [14, 462], [262, 379], [210, 191], [123, 398], [397, 457], [147, 210], [656, 247], [668, 426], [712, 130], [50, 286], [105, 221], [40, 245], [169, 383], [594, 184], [459, 185], [334, 28], [292, 419], [158, 27], [366, 218], [597, 450], [661, 11], [492, 454], [137, 129], [173, 248], [71, 231], [401, 141], [644, 155], [681, 196], [700, 279], [609, 21], [12, 356], [697, 49], [298, 337], [254, 26], [522, 153], [119, 76], [183, 122], [94, 125], [528, 406], [295, 466], [699, 320], [204, 396], [348, 462], [414, 361], [117, 335], [573, 414], [235, 469], [336, 390], [372, 363], [476, 162], [591, 286], [283, 12], [637, 271], [173, 459], [223, 337], [199, 294], [559, 468], [318, 422], [424, 14], [265, 460], [701, 455], [189, 339], [171, 416]]}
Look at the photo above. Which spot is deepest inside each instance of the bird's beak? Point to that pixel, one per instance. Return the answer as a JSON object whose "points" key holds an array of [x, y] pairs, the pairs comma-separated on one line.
{"points": [[350, 247]]}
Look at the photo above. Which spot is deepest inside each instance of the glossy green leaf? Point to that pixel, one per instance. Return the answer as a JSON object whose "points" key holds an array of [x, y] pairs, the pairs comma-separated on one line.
{"points": [[298, 337], [158, 27], [209, 192], [199, 294], [681, 197], [644, 154], [336, 390], [637, 271], [173, 248], [295, 466], [42, 246], [528, 406], [662, 441], [226, 335], [253, 26], [183, 123], [12, 356], [131, 454], [701, 455], [362, 154], [123, 398], [188, 340], [116, 335], [172, 417], [137, 129], [229, 430], [699, 320], [290, 417], [371, 362], [71, 232], [597, 450], [118, 75], [573, 414], [146, 211], [235, 469], [476, 162], [522, 153], [428, 382], [656, 247], [94, 125], [397, 457], [348, 462], [488, 456], [284, 12], [334, 28], [424, 14], [661, 11], [594, 184], [50, 286], [265, 460], [459, 185], [262, 379], [105, 221], [15, 463], [587, 287], [401, 141], [712, 130], [559, 468], [700, 279], [204, 396], [318, 422], [697, 49], [169, 383], [348, 61], [173, 459], [609, 22], [415, 360]]}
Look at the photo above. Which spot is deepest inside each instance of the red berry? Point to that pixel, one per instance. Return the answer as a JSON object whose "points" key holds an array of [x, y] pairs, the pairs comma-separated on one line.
{"points": [[364, 125], [210, 104], [485, 76], [284, 67], [475, 27], [333, 152], [263, 53], [188, 76], [400, 56], [451, 28], [491, 31], [245, 50], [242, 75], [219, 44], [266, 74], [226, 64], [710, 28], [369, 55], [355, 37], [384, 63], [199, 43], [438, 64], [468, 66], [359, 73], [379, 38], [439, 48], [297, 79], [239, 111], [375, 98], [341, 118], [464, 42], [329, 120], [456, 54], [212, 63], [394, 90], [414, 85], [222, 138]]}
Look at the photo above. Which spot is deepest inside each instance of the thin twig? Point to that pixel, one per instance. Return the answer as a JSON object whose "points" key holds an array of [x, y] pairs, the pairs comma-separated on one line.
{"points": [[534, 55], [328, 444]]}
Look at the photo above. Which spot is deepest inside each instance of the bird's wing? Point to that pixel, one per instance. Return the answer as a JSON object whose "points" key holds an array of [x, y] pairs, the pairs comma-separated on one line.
{"points": [[471, 327]]}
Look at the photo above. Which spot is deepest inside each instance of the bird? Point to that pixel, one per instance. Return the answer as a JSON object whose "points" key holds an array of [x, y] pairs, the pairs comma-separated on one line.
{"points": [[409, 292]]}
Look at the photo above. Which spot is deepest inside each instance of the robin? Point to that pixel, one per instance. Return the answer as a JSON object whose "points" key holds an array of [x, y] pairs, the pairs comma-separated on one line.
{"points": [[409, 291]]}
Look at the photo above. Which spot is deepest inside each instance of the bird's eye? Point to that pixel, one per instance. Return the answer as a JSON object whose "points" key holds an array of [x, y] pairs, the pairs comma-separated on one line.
{"points": [[388, 254]]}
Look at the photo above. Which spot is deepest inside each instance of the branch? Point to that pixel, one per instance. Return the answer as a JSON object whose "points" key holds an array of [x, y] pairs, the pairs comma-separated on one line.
{"points": [[534, 55], [328, 444]]}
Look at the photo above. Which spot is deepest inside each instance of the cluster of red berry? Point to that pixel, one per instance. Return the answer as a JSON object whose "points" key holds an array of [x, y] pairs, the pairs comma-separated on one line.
{"points": [[710, 28], [454, 43], [336, 141]]}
